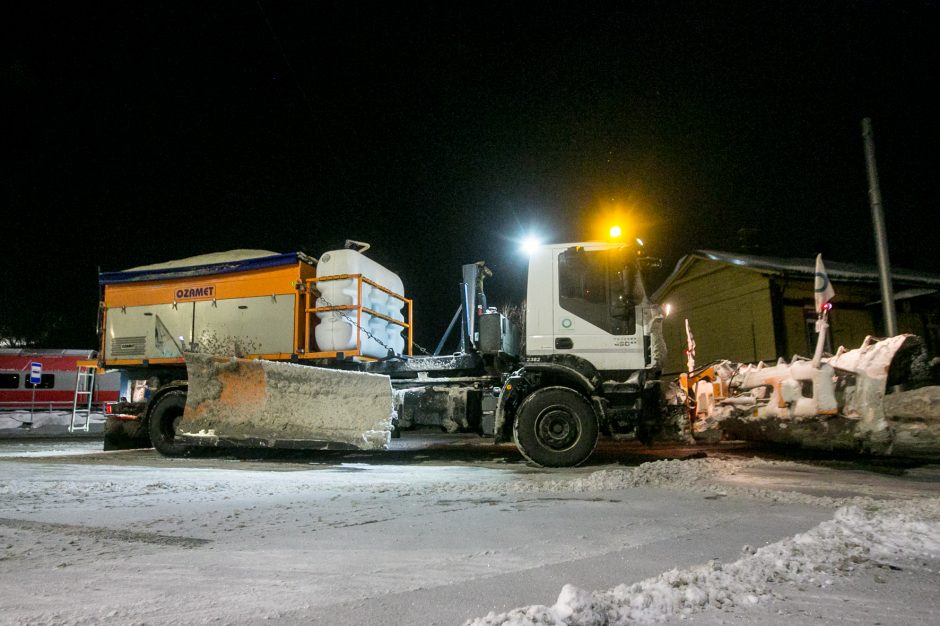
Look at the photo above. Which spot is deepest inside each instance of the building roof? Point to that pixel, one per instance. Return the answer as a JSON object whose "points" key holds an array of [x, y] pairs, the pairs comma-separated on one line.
{"points": [[41, 352], [783, 266]]}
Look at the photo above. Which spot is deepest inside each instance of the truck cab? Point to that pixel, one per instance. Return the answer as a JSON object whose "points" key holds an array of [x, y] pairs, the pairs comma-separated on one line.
{"points": [[592, 356], [588, 301]]}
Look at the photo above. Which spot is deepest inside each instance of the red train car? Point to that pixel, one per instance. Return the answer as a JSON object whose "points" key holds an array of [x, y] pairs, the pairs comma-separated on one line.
{"points": [[56, 390]]}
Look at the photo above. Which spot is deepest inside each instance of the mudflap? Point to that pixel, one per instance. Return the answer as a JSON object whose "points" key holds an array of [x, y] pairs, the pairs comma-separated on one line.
{"points": [[123, 434], [253, 403]]}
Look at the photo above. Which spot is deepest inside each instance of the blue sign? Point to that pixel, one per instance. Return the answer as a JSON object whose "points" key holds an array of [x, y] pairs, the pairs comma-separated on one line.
{"points": [[35, 373]]}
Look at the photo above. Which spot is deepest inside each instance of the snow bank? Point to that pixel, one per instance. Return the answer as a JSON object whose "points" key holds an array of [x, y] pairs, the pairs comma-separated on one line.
{"points": [[696, 475], [10, 420], [857, 537]]}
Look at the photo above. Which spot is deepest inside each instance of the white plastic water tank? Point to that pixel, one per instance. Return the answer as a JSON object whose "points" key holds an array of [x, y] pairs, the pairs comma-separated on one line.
{"points": [[337, 329]]}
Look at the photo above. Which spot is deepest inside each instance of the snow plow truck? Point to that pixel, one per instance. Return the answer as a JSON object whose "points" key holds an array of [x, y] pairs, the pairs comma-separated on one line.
{"points": [[265, 350], [257, 349]]}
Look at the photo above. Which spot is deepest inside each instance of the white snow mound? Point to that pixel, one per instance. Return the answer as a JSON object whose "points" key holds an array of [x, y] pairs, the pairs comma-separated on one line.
{"points": [[883, 533]]}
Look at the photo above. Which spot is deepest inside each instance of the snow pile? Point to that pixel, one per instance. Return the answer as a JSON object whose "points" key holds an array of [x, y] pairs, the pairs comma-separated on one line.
{"points": [[666, 473], [211, 258], [697, 475], [10, 420], [687, 475], [857, 537]]}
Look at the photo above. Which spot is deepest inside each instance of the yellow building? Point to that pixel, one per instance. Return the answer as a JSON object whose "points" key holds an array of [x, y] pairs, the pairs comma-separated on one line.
{"points": [[754, 308]]}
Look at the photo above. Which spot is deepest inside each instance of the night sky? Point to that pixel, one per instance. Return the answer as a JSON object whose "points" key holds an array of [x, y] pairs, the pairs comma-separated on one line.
{"points": [[443, 133]]}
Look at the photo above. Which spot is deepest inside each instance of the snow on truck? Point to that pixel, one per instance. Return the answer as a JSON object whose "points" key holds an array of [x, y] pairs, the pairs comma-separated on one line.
{"points": [[267, 350]]}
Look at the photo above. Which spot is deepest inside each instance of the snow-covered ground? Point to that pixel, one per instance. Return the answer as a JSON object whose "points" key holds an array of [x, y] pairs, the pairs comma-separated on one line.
{"points": [[130, 537], [27, 448], [52, 422]]}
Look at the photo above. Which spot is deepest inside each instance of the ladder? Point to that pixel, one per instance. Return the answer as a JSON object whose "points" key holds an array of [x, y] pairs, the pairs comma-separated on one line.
{"points": [[84, 396]]}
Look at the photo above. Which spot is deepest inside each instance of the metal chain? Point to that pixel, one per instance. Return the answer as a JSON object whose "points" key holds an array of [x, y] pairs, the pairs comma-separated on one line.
{"points": [[342, 312], [318, 294]]}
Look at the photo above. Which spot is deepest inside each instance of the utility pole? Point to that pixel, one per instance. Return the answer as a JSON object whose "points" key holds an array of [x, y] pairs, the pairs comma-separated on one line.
{"points": [[881, 238]]}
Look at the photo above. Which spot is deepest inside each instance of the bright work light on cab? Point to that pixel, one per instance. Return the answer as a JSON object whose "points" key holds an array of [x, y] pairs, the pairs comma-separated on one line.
{"points": [[615, 231], [530, 244]]}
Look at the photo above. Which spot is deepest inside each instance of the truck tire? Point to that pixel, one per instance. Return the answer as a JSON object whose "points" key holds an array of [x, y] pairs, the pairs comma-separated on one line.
{"points": [[162, 423], [555, 427]]}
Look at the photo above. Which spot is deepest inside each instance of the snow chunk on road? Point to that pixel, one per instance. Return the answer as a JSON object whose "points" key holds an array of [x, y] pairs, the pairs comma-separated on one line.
{"points": [[857, 537]]}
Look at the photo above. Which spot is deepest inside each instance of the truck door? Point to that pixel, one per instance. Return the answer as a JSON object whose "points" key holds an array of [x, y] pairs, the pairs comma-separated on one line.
{"points": [[597, 309]]}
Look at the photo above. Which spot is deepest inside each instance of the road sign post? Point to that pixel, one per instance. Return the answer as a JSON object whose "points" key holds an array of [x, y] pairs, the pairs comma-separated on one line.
{"points": [[35, 373], [35, 377]]}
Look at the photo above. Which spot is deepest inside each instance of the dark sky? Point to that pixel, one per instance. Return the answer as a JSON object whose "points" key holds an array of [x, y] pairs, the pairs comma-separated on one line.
{"points": [[441, 133]]}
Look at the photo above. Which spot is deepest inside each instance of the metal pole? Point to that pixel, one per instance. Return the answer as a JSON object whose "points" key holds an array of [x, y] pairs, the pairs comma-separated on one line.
{"points": [[822, 327], [466, 322], [881, 238], [450, 327]]}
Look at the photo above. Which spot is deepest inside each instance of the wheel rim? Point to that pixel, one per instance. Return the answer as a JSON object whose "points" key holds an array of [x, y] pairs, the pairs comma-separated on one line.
{"points": [[557, 428]]}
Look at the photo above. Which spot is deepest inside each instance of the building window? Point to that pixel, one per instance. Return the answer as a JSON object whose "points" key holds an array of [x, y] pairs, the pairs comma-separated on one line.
{"points": [[9, 381], [47, 382]]}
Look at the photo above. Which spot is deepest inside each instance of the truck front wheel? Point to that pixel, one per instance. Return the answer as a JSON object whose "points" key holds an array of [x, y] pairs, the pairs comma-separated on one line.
{"points": [[164, 417], [555, 427]]}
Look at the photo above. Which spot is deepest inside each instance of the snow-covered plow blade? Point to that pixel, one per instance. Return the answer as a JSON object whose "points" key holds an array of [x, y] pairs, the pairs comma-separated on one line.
{"points": [[876, 399], [266, 404]]}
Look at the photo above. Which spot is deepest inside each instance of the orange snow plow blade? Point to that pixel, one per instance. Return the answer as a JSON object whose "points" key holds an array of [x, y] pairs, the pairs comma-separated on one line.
{"points": [[267, 404]]}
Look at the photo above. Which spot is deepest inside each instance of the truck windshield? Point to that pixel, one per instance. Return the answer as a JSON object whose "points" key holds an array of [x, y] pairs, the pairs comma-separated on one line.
{"points": [[595, 285]]}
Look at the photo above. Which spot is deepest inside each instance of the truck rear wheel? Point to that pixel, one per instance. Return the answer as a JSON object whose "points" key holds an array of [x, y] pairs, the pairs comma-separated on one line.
{"points": [[555, 427], [164, 417]]}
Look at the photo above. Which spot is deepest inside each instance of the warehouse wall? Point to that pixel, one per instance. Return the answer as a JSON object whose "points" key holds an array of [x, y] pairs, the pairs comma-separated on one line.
{"points": [[729, 310]]}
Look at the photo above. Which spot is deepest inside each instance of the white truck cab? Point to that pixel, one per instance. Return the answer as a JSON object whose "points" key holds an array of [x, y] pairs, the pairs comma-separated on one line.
{"points": [[592, 355], [588, 300]]}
